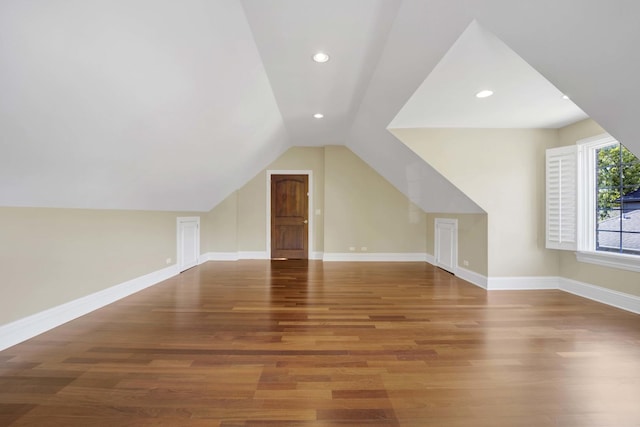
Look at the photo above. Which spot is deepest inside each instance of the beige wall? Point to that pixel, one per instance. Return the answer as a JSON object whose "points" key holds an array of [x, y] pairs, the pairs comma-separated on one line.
{"points": [[353, 206], [502, 170], [472, 239], [364, 210], [252, 215], [222, 226], [52, 256], [495, 169], [571, 134], [239, 222], [611, 278]]}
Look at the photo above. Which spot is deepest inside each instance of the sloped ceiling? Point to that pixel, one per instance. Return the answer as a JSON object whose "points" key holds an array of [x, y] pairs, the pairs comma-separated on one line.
{"points": [[478, 60], [141, 104], [152, 104]]}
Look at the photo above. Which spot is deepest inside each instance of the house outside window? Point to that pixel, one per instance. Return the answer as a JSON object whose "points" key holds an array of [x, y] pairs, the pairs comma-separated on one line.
{"points": [[617, 200]]}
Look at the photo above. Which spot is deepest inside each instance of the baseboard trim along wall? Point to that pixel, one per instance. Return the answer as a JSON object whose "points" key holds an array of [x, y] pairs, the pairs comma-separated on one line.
{"points": [[472, 277], [252, 255], [375, 256], [431, 259], [31, 326], [599, 294], [332, 256], [233, 256], [335, 256], [522, 283], [606, 296], [220, 256]]}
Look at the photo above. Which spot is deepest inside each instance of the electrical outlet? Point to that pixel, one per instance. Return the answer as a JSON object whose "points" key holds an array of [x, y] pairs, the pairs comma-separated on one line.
{"points": [[352, 248], [364, 249], [465, 263], [168, 261]]}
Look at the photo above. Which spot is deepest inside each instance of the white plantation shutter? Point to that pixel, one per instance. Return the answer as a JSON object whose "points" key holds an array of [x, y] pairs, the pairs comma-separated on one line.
{"points": [[562, 197]]}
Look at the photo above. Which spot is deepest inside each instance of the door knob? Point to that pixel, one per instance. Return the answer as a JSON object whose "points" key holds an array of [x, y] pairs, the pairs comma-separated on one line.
{"points": [[305, 222]]}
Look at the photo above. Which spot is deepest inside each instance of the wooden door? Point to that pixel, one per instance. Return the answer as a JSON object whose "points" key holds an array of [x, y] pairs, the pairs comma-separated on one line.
{"points": [[289, 216]]}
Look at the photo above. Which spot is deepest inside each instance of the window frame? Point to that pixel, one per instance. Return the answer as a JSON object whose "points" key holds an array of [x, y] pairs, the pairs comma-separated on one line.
{"points": [[587, 208]]}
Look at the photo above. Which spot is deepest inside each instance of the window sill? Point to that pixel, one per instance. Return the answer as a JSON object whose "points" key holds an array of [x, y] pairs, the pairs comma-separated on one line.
{"points": [[619, 261]]}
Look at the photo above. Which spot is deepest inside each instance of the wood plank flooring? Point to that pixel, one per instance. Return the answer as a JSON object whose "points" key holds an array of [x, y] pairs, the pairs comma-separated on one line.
{"points": [[301, 344]]}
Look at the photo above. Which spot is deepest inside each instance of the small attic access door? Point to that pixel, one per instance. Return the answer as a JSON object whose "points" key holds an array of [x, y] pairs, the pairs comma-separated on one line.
{"points": [[446, 244], [188, 242]]}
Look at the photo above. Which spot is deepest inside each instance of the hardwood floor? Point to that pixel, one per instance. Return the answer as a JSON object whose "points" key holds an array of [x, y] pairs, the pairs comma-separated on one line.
{"points": [[287, 343]]}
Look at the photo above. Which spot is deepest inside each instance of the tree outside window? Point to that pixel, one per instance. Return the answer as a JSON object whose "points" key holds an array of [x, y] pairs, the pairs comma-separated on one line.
{"points": [[618, 200]]}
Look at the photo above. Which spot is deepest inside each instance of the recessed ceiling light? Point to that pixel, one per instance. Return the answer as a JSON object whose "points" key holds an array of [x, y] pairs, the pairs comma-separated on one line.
{"points": [[321, 57], [565, 97], [318, 115], [484, 93]]}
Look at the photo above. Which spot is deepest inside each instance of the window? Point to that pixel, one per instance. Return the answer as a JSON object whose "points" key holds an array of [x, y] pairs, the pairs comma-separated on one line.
{"points": [[617, 200], [593, 202]]}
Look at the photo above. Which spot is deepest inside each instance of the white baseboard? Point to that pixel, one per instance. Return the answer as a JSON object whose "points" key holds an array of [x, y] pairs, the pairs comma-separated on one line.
{"points": [[221, 256], [31, 326], [507, 283], [235, 256], [374, 256], [431, 259], [252, 255], [606, 296], [522, 283], [596, 293], [471, 277], [317, 255]]}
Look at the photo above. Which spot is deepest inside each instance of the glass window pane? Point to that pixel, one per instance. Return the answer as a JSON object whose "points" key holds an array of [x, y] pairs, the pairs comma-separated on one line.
{"points": [[618, 200]]}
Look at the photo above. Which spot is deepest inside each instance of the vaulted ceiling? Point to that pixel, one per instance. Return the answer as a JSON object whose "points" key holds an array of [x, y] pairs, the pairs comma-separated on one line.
{"points": [[158, 104]]}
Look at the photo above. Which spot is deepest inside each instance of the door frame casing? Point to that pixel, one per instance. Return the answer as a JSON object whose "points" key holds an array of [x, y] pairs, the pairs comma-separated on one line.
{"points": [[310, 215], [448, 223], [179, 221]]}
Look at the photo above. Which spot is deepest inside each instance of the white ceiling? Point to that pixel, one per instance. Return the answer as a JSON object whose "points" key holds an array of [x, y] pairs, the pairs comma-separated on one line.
{"points": [[157, 104], [289, 32], [477, 61], [138, 104]]}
